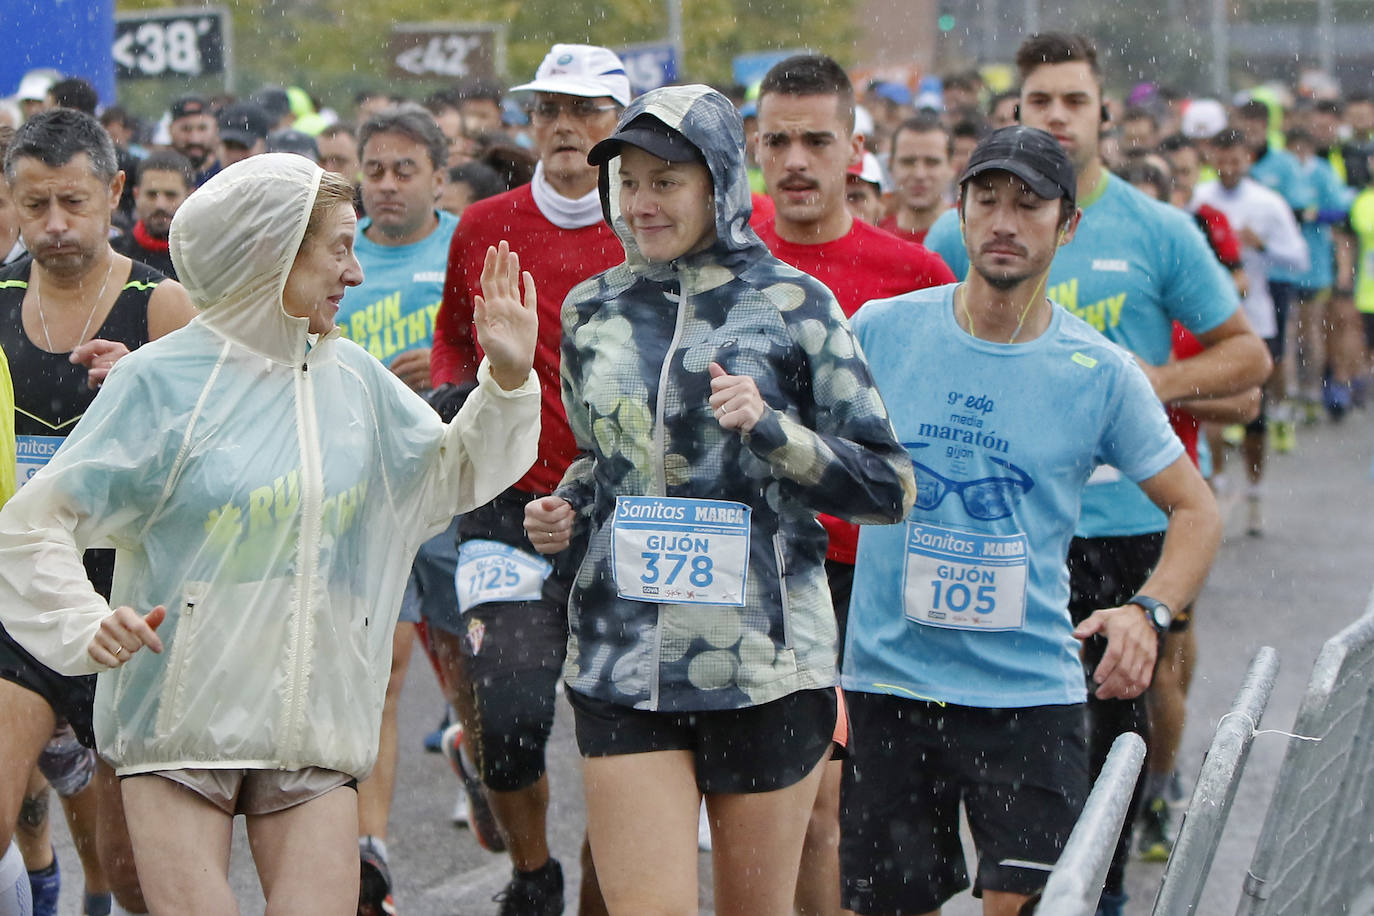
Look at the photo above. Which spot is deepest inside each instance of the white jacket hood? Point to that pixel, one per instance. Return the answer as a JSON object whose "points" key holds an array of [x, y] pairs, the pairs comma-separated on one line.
{"points": [[233, 242]]}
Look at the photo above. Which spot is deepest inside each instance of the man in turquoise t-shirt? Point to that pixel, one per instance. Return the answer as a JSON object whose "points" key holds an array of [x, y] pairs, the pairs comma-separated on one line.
{"points": [[1134, 266], [402, 246], [961, 670]]}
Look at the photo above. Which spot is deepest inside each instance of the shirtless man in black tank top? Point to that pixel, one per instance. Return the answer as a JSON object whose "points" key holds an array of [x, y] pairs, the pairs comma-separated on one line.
{"points": [[66, 318]]}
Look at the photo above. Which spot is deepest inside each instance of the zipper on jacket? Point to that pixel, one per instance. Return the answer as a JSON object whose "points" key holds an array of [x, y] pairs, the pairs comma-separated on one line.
{"points": [[168, 711], [661, 466], [660, 434], [312, 497], [782, 591]]}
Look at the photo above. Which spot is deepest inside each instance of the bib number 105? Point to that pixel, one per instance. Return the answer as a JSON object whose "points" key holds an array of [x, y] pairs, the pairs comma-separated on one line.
{"points": [[699, 574], [958, 597]]}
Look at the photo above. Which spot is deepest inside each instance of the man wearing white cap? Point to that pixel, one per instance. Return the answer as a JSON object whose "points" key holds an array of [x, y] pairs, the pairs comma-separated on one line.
{"points": [[501, 658], [33, 91]]}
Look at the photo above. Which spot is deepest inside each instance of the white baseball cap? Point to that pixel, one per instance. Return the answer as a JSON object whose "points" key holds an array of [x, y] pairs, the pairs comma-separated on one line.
{"points": [[583, 70], [35, 85], [1203, 119], [869, 169]]}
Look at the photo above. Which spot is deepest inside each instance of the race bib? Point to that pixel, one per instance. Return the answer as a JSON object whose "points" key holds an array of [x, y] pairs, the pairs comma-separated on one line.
{"points": [[492, 571], [680, 551], [963, 580], [32, 453]]}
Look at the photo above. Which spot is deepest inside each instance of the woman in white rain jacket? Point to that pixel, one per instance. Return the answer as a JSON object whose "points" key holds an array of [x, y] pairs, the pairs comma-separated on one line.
{"points": [[267, 483]]}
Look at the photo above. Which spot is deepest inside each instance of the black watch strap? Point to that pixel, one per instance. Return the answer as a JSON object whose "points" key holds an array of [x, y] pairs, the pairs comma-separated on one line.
{"points": [[1159, 613]]}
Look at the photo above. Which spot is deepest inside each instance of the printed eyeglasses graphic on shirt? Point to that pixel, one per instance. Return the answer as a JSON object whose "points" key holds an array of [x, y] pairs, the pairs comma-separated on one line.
{"points": [[581, 110], [986, 498]]}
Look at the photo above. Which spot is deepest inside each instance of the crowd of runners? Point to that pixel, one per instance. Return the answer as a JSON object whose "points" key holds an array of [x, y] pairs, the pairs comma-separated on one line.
{"points": [[844, 459]]}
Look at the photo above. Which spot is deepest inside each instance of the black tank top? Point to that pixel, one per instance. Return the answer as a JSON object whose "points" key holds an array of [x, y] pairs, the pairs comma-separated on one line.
{"points": [[50, 392]]}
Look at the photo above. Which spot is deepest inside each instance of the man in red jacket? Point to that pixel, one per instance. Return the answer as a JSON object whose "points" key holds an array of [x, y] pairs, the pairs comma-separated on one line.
{"points": [[501, 659], [804, 146]]}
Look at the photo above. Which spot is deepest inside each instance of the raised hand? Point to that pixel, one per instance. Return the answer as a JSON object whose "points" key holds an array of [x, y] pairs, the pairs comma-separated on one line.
{"points": [[506, 328]]}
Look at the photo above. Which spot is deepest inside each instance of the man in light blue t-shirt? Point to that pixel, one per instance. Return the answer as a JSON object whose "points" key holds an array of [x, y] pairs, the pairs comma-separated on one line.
{"points": [[962, 672], [402, 246], [1134, 266]]}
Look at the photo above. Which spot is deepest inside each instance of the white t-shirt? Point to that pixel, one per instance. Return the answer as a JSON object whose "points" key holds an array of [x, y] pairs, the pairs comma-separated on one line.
{"points": [[1250, 205]]}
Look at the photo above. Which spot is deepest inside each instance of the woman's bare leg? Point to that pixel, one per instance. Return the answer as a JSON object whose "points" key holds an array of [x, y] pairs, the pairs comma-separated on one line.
{"points": [[307, 855], [181, 846]]}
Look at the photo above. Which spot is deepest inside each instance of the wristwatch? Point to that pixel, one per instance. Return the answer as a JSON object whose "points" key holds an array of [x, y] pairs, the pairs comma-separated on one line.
{"points": [[1159, 613]]}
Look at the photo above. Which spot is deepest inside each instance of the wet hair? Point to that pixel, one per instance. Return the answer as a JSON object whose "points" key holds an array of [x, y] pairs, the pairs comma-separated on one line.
{"points": [[334, 190], [1230, 138], [56, 136], [74, 92], [1253, 110], [1175, 142], [412, 122], [1056, 48], [1139, 170], [1300, 135], [966, 128], [475, 89], [168, 160], [923, 124], [118, 114], [999, 97], [514, 164], [482, 180], [811, 74], [439, 101], [1136, 113], [338, 129]]}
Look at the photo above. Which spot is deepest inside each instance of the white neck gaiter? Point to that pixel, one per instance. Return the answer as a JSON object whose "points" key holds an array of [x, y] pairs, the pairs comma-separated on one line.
{"points": [[563, 212]]}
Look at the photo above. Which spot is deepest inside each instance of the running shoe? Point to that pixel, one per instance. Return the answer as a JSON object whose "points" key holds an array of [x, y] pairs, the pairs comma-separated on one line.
{"points": [[374, 889], [1337, 398], [479, 816], [1254, 517], [1233, 434], [434, 741], [462, 812], [533, 893], [1155, 835], [1283, 436]]}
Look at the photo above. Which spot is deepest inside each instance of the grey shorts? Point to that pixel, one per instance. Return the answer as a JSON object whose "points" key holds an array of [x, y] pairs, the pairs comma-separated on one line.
{"points": [[254, 792], [430, 593]]}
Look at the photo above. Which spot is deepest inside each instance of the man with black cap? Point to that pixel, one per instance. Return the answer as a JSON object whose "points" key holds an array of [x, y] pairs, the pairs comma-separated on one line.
{"points": [[243, 129], [195, 134], [961, 651]]}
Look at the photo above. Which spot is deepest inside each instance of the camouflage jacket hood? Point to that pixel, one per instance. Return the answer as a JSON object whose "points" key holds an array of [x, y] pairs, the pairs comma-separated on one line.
{"points": [[637, 343]]}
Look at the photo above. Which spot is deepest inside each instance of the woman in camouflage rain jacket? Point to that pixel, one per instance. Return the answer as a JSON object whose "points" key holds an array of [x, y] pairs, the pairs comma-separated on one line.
{"points": [[637, 341], [703, 596]]}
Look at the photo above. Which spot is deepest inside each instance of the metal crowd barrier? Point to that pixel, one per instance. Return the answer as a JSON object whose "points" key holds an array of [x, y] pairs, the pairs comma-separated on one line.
{"points": [[1075, 885], [1210, 806], [1315, 853]]}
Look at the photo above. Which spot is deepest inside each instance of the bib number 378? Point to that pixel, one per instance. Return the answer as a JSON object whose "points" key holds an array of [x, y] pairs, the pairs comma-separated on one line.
{"points": [[680, 551]]}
